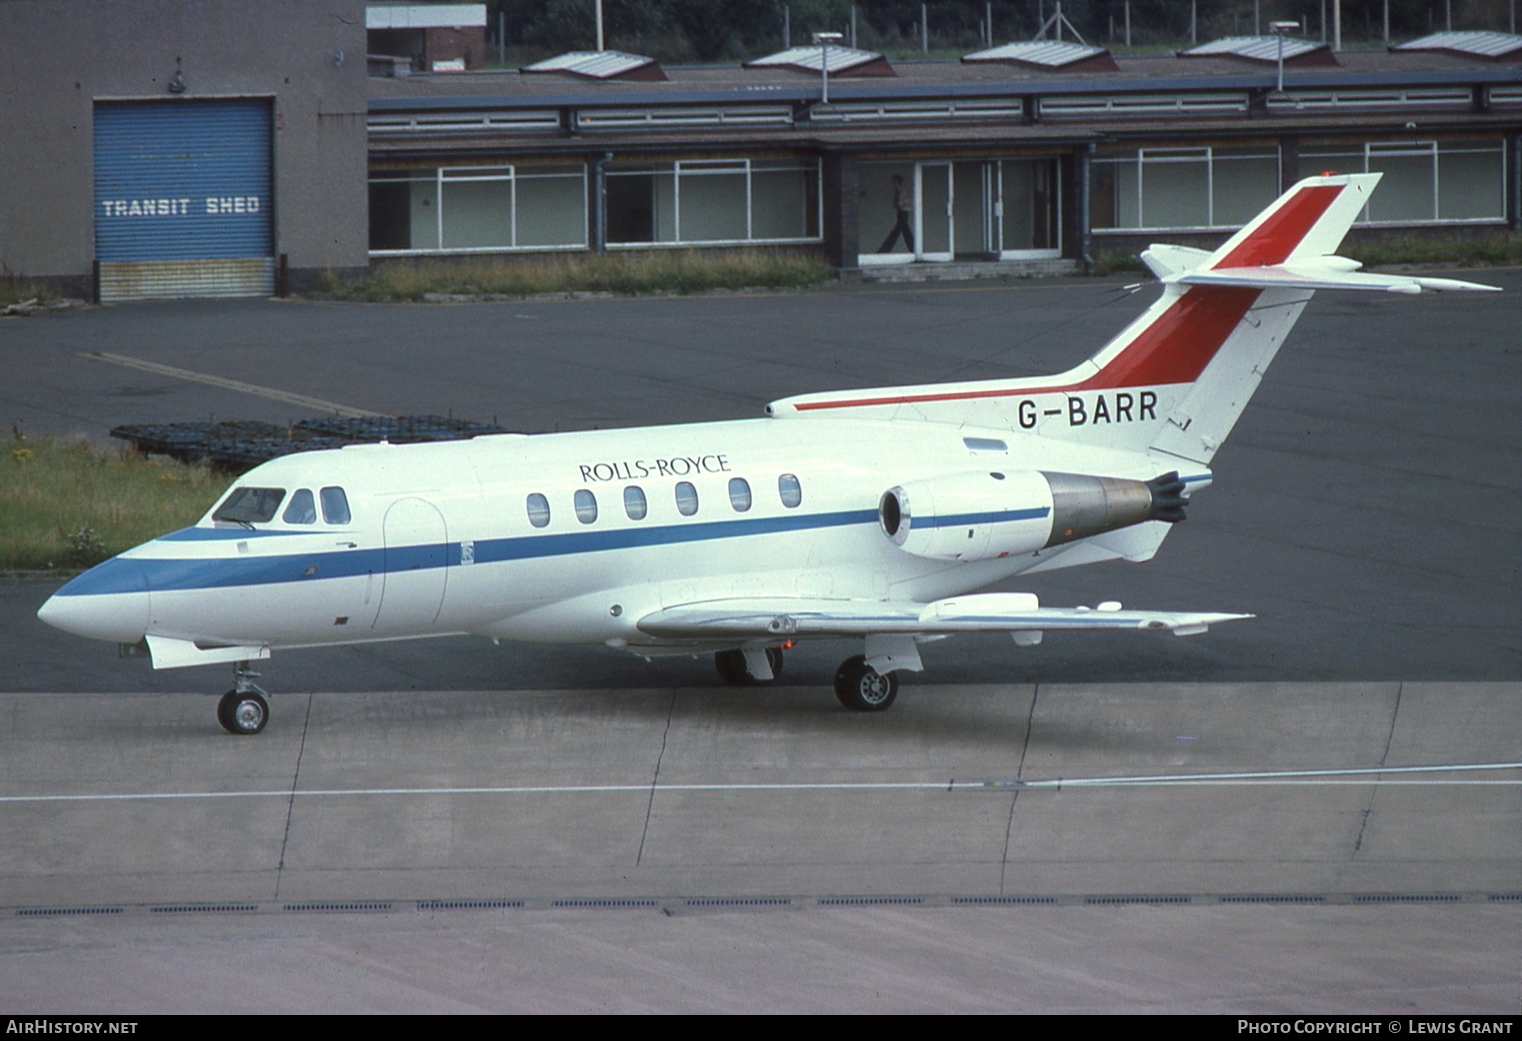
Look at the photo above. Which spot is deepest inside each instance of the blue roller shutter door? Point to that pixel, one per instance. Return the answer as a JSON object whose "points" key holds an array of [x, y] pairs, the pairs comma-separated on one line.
{"points": [[183, 198]]}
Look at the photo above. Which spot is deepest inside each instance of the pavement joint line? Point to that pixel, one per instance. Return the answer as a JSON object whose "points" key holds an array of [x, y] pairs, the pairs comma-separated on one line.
{"points": [[255, 389], [1257, 778]]}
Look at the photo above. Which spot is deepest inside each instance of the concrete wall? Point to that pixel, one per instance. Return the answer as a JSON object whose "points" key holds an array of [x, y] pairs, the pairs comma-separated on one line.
{"points": [[63, 55]]}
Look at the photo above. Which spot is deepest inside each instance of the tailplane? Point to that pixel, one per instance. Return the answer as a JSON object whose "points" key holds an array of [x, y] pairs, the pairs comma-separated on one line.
{"points": [[1175, 380]]}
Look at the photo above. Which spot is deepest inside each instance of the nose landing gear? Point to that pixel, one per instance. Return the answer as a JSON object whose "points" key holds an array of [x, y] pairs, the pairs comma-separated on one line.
{"points": [[243, 710]]}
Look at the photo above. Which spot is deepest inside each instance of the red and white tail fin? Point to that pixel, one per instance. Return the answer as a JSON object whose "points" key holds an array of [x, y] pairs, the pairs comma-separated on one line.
{"points": [[1176, 379]]}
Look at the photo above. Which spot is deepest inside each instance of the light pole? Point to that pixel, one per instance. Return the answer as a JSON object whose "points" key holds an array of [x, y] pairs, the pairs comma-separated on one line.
{"points": [[824, 40], [1279, 29]]}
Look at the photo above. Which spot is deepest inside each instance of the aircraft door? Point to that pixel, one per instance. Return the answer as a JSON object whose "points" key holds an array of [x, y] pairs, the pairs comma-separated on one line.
{"points": [[414, 571]]}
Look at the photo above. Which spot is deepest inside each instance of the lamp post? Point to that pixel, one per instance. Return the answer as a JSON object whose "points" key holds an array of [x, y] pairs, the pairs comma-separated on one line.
{"points": [[824, 40], [1279, 29]]}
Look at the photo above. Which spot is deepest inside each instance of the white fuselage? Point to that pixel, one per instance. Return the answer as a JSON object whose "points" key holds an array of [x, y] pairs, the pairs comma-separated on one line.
{"points": [[441, 540]]}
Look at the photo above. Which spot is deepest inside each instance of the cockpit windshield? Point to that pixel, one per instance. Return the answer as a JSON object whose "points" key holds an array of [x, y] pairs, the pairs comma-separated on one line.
{"points": [[250, 506]]}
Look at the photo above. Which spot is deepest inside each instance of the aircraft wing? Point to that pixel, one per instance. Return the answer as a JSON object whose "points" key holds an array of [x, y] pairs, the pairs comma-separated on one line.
{"points": [[790, 617]]}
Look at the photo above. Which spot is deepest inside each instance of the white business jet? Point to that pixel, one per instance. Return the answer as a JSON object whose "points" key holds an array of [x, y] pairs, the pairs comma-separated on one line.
{"points": [[870, 514]]}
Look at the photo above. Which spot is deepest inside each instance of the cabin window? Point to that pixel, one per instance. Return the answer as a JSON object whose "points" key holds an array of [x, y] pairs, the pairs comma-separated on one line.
{"points": [[634, 502], [335, 506], [739, 494], [686, 498], [789, 490], [586, 506], [250, 505], [538, 510], [301, 509]]}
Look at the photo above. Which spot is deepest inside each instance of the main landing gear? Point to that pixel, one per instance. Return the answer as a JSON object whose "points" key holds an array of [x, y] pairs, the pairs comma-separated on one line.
{"points": [[859, 687], [243, 710], [737, 671]]}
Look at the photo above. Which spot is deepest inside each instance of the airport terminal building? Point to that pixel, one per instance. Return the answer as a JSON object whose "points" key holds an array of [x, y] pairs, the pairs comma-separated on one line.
{"points": [[222, 148]]}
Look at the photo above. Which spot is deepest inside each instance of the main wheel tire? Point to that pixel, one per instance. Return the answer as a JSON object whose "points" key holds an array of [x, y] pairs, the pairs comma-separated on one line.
{"points": [[862, 688], [733, 671], [731, 667], [243, 714]]}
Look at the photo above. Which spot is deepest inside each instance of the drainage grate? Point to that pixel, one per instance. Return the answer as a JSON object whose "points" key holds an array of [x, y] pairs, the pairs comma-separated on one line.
{"points": [[467, 905], [1513, 898], [605, 903], [203, 908], [739, 901], [1407, 898], [1048, 901], [355, 905], [835, 901], [1112, 900], [1270, 898], [45, 912]]}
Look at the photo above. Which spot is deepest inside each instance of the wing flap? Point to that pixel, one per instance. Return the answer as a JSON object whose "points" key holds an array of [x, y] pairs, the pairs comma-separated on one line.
{"points": [[784, 618]]}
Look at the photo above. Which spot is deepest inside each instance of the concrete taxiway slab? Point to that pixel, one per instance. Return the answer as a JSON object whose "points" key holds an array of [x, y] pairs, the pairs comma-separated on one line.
{"points": [[1052, 790], [762, 849]]}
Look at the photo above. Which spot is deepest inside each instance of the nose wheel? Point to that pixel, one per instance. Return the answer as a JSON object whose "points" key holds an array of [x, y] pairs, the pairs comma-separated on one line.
{"points": [[243, 710]]}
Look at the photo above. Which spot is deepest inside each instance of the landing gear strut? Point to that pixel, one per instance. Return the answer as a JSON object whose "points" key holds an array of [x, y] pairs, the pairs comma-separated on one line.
{"points": [[243, 710], [861, 688], [734, 671]]}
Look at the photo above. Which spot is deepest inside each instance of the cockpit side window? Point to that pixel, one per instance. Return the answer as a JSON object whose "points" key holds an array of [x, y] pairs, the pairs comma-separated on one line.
{"points": [[250, 506], [335, 506], [301, 509]]}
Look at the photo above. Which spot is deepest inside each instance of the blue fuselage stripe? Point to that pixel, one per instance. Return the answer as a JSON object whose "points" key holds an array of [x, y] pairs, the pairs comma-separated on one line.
{"points": [[128, 574]]}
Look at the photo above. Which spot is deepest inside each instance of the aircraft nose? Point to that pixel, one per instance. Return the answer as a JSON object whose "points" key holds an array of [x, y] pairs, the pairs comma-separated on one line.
{"points": [[108, 602]]}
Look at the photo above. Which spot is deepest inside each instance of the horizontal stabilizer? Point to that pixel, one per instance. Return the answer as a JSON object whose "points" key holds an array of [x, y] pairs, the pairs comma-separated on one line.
{"points": [[1330, 272], [789, 617]]}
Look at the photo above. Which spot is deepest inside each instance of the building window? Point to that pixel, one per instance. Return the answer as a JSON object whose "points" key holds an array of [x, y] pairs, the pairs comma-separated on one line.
{"points": [[1182, 187], [478, 209], [686, 499], [714, 201], [634, 502], [1425, 181]]}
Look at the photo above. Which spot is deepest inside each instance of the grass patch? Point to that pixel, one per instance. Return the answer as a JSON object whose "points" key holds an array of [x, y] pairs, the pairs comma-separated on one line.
{"points": [[674, 271], [15, 290], [1495, 249], [1116, 262], [65, 505]]}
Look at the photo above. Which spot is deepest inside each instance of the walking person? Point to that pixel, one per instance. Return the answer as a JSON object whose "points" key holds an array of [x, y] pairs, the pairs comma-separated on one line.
{"points": [[903, 205]]}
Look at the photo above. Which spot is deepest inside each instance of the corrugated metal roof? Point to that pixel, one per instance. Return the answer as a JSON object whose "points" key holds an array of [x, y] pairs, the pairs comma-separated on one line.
{"points": [[1480, 44], [811, 59], [597, 65], [1050, 53], [1254, 48]]}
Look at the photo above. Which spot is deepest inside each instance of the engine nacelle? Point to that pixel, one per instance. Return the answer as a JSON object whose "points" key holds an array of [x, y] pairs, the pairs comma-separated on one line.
{"points": [[987, 514]]}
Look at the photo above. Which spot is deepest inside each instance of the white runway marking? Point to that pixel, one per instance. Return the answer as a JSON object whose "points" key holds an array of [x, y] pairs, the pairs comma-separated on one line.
{"points": [[1403, 775], [289, 398]]}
